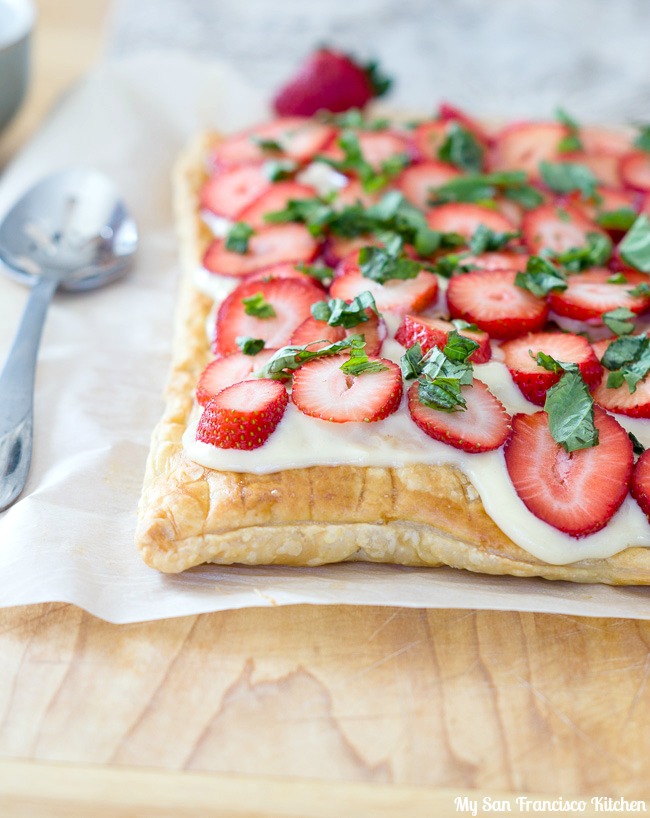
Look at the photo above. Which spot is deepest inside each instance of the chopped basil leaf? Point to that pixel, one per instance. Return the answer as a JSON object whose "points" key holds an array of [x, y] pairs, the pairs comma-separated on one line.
{"points": [[462, 149], [642, 289], [411, 362], [571, 142], [618, 320], [359, 363], [315, 213], [382, 264], [618, 278], [567, 177], [635, 246], [354, 162], [248, 345], [628, 359], [267, 145], [238, 236], [289, 358], [547, 362], [354, 118], [570, 409], [642, 141], [541, 277], [621, 219], [485, 240], [321, 272], [595, 253], [459, 347], [452, 263], [278, 169], [637, 446], [442, 394], [460, 325], [482, 187], [256, 305], [338, 313]]}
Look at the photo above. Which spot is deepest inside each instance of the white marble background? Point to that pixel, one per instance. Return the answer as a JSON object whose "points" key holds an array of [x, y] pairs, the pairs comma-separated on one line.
{"points": [[497, 57]]}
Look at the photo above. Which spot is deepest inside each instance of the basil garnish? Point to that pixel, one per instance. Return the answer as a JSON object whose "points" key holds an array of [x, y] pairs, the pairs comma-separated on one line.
{"points": [[642, 141], [248, 345], [628, 359], [293, 357], [570, 409], [238, 236], [485, 240], [338, 313], [571, 142], [620, 320], [321, 272], [481, 187], [621, 219], [541, 277], [359, 363], [567, 177], [278, 169], [354, 162], [595, 253], [462, 149], [635, 247], [383, 264], [637, 446], [257, 306]]}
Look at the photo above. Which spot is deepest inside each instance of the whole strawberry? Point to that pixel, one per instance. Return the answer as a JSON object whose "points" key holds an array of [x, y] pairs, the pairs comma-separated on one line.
{"points": [[332, 81]]}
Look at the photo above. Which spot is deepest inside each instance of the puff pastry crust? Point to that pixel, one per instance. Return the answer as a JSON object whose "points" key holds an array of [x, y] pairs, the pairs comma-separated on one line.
{"points": [[416, 515]]}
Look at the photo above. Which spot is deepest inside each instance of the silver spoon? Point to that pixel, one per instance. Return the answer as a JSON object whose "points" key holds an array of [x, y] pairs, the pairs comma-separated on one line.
{"points": [[71, 231]]}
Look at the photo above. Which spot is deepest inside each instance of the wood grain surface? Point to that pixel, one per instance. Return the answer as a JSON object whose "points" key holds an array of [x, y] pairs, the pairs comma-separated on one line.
{"points": [[303, 711]]}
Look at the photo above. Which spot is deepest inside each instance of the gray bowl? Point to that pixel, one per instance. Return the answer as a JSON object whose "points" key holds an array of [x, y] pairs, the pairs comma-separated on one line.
{"points": [[16, 24]]}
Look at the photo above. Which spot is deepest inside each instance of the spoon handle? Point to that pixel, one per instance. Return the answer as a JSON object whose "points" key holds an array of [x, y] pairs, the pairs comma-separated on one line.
{"points": [[17, 394]]}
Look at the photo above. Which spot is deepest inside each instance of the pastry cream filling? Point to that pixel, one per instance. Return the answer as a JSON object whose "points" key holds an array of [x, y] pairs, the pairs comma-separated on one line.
{"points": [[301, 441]]}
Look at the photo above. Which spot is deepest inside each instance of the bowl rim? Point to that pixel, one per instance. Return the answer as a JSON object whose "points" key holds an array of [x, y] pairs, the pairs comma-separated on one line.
{"points": [[21, 15]]}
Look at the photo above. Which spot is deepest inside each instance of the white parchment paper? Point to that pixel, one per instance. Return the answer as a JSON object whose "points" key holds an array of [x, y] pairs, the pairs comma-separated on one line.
{"points": [[101, 373]]}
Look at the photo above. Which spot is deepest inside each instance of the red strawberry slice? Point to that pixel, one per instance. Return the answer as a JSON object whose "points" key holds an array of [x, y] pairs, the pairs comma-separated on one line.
{"points": [[428, 138], [576, 492], [635, 170], [224, 372], [338, 248], [483, 426], [604, 166], [640, 486], [494, 260], [290, 299], [327, 81], [604, 140], [418, 181], [227, 193], [275, 198], [321, 389], [269, 245], [491, 300], [434, 332], [557, 229], [523, 145], [410, 295], [243, 416], [376, 147], [353, 193], [533, 380], [312, 330], [591, 293], [465, 218], [299, 138]]}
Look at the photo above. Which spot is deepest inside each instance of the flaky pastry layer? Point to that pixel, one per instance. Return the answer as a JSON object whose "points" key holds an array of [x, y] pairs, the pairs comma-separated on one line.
{"points": [[417, 515]]}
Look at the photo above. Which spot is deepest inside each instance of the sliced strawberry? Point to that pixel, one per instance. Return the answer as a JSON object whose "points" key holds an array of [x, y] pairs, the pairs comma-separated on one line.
{"points": [[224, 372], [417, 182], [428, 138], [353, 193], [523, 145], [227, 193], [337, 248], [376, 147], [609, 199], [321, 389], [591, 293], [373, 330], [502, 260], [604, 140], [635, 170], [483, 426], [275, 198], [290, 299], [434, 332], [640, 486], [576, 492], [619, 399], [410, 295], [269, 245], [327, 81], [243, 416], [299, 138], [557, 229], [491, 300], [533, 380], [465, 218], [312, 330]]}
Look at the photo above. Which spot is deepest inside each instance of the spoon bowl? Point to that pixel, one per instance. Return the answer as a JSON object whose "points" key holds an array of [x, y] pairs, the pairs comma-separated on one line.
{"points": [[72, 231]]}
